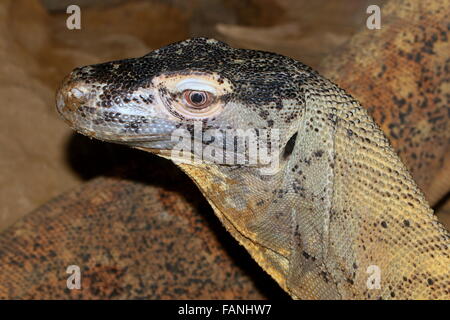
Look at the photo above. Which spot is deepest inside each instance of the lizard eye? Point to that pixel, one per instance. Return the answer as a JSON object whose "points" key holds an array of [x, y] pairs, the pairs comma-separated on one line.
{"points": [[191, 97], [197, 99]]}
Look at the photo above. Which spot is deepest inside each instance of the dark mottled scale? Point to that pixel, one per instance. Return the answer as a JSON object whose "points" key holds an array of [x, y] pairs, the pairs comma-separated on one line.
{"points": [[124, 77]]}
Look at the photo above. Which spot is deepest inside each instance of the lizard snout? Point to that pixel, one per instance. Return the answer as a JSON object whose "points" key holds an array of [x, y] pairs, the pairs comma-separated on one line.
{"points": [[108, 112], [72, 94], [74, 102]]}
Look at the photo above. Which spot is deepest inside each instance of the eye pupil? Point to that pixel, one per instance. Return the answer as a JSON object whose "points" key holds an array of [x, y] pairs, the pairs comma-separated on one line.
{"points": [[197, 97]]}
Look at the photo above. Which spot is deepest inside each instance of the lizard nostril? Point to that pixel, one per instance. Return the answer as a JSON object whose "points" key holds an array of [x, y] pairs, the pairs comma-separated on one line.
{"points": [[71, 95], [77, 93]]}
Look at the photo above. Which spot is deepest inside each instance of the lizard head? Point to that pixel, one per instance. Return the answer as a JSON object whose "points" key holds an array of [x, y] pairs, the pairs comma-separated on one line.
{"points": [[209, 90], [141, 102], [307, 223]]}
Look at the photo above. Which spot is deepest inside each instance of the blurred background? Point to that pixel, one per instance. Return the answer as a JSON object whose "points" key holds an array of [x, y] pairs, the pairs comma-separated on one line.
{"points": [[37, 51]]}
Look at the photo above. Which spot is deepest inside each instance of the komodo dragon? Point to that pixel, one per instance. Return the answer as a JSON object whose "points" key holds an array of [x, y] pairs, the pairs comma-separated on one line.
{"points": [[338, 204], [73, 228]]}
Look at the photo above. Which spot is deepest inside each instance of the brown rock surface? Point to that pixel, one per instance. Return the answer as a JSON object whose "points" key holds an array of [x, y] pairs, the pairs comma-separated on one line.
{"points": [[131, 241], [32, 141], [37, 51], [301, 29]]}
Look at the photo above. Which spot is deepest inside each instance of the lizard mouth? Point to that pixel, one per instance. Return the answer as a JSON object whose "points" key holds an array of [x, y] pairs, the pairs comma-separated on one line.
{"points": [[77, 103], [134, 119], [160, 136]]}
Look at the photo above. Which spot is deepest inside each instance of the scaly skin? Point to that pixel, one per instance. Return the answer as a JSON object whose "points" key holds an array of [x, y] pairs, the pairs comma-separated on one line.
{"points": [[405, 85], [340, 200]]}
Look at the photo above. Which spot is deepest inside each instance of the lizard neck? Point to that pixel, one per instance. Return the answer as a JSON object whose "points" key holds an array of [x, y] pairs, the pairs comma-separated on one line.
{"points": [[380, 225], [342, 218]]}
